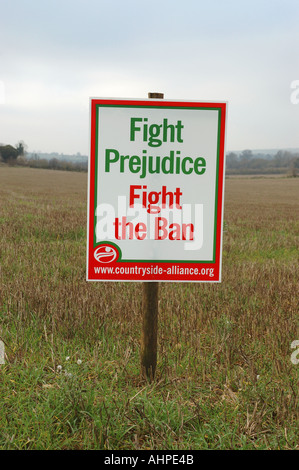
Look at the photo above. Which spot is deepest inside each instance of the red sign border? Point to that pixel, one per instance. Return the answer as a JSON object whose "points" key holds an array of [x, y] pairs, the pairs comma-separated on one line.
{"points": [[172, 270]]}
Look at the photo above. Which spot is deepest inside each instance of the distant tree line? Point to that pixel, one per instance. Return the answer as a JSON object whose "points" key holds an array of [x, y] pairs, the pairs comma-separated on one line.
{"points": [[9, 154], [17, 156], [248, 163], [55, 164], [241, 163]]}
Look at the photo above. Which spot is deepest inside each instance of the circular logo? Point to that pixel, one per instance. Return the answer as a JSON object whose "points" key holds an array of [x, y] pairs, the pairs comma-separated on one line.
{"points": [[106, 254]]}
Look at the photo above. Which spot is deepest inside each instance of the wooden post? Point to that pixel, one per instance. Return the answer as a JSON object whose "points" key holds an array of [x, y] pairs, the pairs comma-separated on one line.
{"points": [[156, 95], [149, 333], [149, 329]]}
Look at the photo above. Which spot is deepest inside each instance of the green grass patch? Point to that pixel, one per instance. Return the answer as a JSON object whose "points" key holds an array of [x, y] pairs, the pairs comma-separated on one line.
{"points": [[72, 379]]}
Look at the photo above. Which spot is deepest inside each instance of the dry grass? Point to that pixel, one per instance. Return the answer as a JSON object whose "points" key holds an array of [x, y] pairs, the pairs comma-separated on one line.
{"points": [[224, 376]]}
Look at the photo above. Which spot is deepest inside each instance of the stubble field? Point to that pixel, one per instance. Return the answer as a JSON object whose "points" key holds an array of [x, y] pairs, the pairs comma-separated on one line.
{"points": [[71, 378]]}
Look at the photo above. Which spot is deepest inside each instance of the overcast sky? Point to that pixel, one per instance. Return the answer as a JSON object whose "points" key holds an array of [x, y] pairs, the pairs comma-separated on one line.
{"points": [[55, 54]]}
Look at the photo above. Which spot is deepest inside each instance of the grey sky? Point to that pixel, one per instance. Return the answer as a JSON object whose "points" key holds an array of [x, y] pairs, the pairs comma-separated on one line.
{"points": [[55, 54]]}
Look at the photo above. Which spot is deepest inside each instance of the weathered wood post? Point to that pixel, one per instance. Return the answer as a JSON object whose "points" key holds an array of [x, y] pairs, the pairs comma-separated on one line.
{"points": [[149, 329], [149, 333]]}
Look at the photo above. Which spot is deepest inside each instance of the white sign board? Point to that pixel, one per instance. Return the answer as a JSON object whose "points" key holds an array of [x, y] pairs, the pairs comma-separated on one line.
{"points": [[156, 176]]}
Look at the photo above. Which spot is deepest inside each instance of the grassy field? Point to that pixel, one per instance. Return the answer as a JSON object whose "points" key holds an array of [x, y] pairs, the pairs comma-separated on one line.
{"points": [[72, 379]]}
